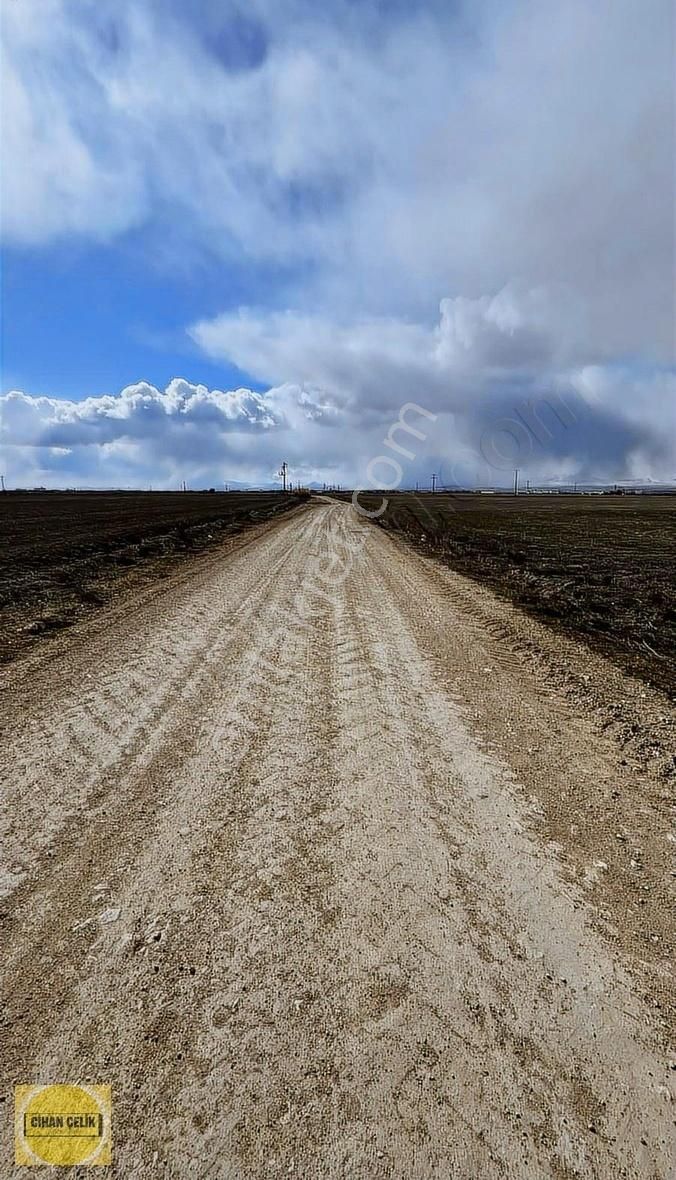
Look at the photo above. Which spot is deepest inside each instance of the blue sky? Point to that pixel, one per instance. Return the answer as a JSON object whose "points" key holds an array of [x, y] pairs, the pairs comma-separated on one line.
{"points": [[108, 315], [340, 209], [104, 321]]}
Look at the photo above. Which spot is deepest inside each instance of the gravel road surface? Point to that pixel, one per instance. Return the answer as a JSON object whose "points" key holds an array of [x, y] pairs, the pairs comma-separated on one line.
{"points": [[278, 865]]}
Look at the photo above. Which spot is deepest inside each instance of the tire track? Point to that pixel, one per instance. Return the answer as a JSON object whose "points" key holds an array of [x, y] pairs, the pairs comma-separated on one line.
{"points": [[489, 1019], [128, 714]]}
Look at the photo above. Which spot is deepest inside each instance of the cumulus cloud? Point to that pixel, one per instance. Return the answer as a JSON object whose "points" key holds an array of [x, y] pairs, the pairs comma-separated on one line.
{"points": [[370, 362], [138, 412], [507, 358], [472, 422], [146, 435]]}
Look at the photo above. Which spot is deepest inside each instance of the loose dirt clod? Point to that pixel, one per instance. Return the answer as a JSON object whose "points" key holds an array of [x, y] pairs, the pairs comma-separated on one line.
{"points": [[106, 917]]}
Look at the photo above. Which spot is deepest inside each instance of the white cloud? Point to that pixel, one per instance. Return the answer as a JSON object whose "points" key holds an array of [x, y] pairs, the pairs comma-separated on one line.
{"points": [[373, 364], [136, 412], [146, 435], [399, 153], [585, 422]]}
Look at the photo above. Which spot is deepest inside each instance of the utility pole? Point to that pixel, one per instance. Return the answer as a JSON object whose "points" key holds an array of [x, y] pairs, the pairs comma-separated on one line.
{"points": [[434, 481], [283, 470], [516, 481]]}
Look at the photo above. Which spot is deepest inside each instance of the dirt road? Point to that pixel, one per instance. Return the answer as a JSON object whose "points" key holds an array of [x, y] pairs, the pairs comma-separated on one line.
{"points": [[278, 865]]}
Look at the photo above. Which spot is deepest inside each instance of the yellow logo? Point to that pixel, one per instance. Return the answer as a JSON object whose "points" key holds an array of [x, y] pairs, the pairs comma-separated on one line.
{"points": [[62, 1125]]}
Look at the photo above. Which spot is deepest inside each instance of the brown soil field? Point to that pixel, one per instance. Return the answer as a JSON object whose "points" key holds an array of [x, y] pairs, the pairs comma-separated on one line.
{"points": [[64, 554], [599, 567]]}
